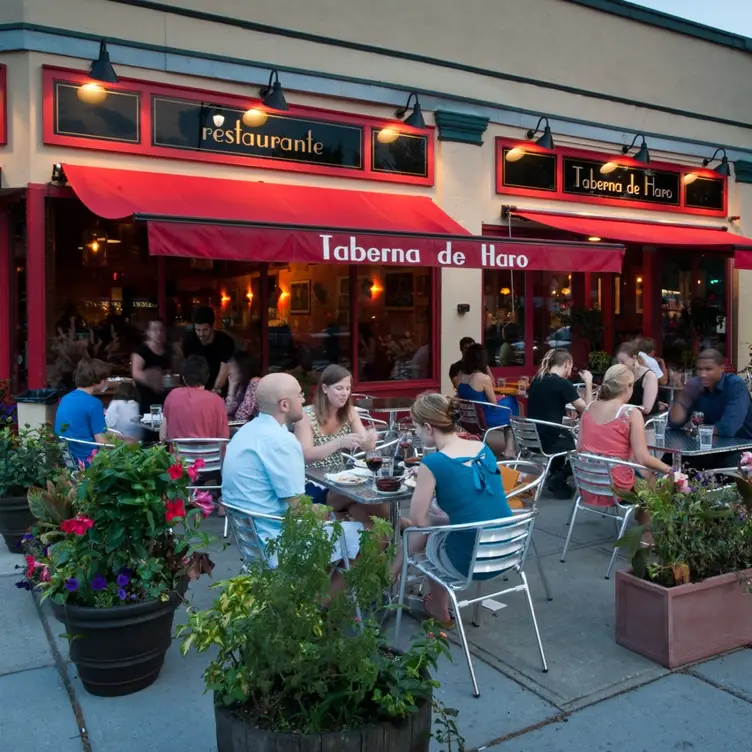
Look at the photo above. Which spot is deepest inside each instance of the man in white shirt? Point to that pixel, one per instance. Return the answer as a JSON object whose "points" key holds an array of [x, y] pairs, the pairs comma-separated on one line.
{"points": [[644, 347]]}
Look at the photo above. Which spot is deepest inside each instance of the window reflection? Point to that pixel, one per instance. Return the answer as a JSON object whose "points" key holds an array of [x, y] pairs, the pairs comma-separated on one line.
{"points": [[504, 306], [553, 307]]}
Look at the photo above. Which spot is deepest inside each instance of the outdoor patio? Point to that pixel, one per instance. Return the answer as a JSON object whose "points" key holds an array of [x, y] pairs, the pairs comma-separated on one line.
{"points": [[596, 695]]}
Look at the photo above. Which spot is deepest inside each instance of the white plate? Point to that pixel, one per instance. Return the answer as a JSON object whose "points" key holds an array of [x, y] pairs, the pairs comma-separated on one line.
{"points": [[353, 477], [411, 482]]}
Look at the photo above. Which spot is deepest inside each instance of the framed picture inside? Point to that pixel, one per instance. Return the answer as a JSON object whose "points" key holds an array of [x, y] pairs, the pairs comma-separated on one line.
{"points": [[398, 291], [300, 297]]}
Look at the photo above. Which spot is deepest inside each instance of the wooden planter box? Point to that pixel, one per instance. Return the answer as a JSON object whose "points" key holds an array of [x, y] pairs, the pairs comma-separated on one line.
{"points": [[680, 625]]}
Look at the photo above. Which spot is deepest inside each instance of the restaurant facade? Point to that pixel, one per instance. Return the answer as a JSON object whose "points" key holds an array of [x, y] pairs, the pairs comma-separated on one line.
{"points": [[329, 214]]}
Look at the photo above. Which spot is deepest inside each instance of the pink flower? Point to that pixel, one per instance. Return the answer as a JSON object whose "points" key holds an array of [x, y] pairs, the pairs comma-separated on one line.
{"points": [[746, 460], [44, 575], [77, 525], [194, 469], [91, 456], [175, 471], [203, 500], [681, 481]]}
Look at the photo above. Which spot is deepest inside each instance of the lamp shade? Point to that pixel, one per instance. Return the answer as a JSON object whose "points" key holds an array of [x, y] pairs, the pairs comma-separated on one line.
{"points": [[415, 119], [723, 168], [94, 248], [273, 97], [101, 68], [643, 155], [546, 140]]}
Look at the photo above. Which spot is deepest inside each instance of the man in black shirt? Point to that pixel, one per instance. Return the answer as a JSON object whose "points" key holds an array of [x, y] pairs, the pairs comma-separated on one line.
{"points": [[216, 347], [455, 368]]}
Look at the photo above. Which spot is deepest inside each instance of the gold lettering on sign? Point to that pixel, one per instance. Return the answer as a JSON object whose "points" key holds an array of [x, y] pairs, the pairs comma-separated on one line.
{"points": [[241, 137]]}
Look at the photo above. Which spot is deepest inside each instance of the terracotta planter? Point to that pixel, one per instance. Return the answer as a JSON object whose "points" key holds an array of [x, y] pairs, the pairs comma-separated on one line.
{"points": [[680, 625], [411, 734], [15, 520]]}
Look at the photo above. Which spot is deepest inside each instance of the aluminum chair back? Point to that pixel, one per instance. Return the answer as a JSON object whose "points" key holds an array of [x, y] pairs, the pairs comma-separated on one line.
{"points": [[526, 436], [501, 547], [528, 468], [211, 451], [592, 473], [70, 461], [472, 419], [243, 524]]}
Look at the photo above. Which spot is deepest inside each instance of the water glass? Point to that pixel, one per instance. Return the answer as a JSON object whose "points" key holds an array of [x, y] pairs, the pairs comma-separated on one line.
{"points": [[156, 415], [706, 437], [501, 382], [387, 468], [659, 426], [522, 386]]}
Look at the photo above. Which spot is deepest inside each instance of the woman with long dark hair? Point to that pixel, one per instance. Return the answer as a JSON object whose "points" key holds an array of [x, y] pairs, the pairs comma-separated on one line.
{"points": [[242, 382]]}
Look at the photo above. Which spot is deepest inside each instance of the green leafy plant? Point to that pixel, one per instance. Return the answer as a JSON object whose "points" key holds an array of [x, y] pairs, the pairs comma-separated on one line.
{"points": [[599, 361], [291, 659], [28, 457], [697, 528], [125, 533]]}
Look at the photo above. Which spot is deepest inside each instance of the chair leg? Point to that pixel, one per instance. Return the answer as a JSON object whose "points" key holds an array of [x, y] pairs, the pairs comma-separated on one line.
{"points": [[463, 639], [535, 622], [476, 608], [400, 602], [576, 498], [539, 564], [575, 509], [224, 535], [623, 527]]}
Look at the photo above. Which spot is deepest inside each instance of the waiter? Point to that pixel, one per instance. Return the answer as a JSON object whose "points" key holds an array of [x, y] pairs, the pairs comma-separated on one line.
{"points": [[216, 347]]}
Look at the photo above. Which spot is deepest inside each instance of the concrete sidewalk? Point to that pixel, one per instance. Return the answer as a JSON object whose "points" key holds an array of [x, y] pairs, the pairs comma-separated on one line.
{"points": [[596, 695]]}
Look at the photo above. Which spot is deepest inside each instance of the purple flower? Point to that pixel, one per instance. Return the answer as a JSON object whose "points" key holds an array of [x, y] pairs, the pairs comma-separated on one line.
{"points": [[28, 537], [99, 582], [122, 580], [122, 594], [134, 597], [23, 585], [71, 585]]}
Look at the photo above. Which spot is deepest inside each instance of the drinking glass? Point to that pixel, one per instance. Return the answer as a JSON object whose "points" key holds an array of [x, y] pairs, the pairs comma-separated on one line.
{"points": [[706, 437], [522, 385], [501, 382], [659, 426], [156, 415], [374, 461]]}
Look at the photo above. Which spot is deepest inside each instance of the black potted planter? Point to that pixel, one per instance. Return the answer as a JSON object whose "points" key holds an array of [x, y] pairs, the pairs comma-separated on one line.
{"points": [[119, 650], [15, 520], [412, 734]]}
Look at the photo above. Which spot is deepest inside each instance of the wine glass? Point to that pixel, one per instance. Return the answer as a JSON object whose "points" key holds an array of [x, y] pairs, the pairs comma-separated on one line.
{"points": [[374, 461]]}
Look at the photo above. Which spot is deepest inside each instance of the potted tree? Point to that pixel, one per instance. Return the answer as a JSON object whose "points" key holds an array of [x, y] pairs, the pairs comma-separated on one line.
{"points": [[114, 555], [296, 667], [28, 457], [686, 597]]}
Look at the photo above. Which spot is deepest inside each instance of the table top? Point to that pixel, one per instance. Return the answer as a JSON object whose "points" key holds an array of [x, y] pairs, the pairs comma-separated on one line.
{"points": [[680, 442], [365, 493], [506, 391], [147, 426], [386, 404]]}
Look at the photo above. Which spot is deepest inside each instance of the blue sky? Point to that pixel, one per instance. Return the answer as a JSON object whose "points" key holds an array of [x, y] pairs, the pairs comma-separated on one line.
{"points": [[730, 15]]}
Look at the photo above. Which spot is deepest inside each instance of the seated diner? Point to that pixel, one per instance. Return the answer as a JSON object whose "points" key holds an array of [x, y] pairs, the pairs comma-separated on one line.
{"points": [[241, 392], [645, 388]]}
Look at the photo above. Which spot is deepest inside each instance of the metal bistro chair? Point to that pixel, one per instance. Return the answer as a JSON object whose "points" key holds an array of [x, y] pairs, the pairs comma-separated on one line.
{"points": [[473, 418], [500, 548], [211, 451], [71, 463], [592, 473], [529, 445]]}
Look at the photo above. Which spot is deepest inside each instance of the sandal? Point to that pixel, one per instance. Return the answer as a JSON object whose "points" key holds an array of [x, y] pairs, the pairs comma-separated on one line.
{"points": [[444, 624]]}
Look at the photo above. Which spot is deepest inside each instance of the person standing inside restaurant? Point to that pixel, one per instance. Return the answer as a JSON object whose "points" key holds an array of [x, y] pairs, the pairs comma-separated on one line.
{"points": [[548, 396], [724, 401], [191, 412], [216, 347], [645, 387], [80, 415], [149, 364]]}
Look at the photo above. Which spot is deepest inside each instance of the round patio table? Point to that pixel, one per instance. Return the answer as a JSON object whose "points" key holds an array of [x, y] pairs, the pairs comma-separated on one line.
{"points": [[392, 406]]}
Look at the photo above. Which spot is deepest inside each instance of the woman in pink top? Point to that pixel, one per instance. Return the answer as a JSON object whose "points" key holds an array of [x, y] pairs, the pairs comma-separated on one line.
{"points": [[192, 412], [613, 428]]}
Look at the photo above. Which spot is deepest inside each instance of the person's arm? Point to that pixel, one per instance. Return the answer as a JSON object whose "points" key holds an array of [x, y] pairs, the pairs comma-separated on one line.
{"points": [[247, 407], [98, 424], [679, 412], [312, 453], [232, 400], [663, 380], [572, 396], [148, 377], [425, 486], [454, 375], [223, 426], [649, 392], [587, 377], [735, 412], [639, 446], [111, 414], [367, 436], [228, 350], [285, 469], [221, 380], [488, 389]]}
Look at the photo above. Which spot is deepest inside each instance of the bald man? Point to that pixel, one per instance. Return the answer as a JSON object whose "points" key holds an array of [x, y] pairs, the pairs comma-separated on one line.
{"points": [[264, 469]]}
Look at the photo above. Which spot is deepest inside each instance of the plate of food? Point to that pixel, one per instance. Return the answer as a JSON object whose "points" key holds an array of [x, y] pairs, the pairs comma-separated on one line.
{"points": [[354, 477]]}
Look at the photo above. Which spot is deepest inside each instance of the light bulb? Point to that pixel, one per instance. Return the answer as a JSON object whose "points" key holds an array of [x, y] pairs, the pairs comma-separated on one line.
{"points": [[91, 93]]}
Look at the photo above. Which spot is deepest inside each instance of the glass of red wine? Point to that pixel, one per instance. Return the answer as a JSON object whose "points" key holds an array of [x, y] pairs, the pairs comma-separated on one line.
{"points": [[696, 421], [374, 461]]}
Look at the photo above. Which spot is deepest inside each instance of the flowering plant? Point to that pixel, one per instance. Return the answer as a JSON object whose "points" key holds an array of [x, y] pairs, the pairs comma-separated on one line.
{"points": [[128, 532], [7, 403], [28, 457], [697, 529], [289, 658]]}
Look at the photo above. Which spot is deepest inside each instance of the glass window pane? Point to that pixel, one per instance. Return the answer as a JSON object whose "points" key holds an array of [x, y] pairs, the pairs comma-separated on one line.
{"points": [[393, 307], [307, 327], [504, 308], [553, 305]]}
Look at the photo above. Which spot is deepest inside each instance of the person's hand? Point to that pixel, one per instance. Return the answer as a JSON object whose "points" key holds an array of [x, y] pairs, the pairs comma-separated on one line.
{"points": [[587, 377], [350, 441]]}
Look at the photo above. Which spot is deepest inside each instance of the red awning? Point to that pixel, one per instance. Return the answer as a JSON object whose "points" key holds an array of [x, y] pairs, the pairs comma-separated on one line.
{"points": [[650, 233], [241, 220]]}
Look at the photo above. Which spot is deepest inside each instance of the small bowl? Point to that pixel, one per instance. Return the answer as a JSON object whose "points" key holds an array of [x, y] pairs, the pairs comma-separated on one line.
{"points": [[388, 483]]}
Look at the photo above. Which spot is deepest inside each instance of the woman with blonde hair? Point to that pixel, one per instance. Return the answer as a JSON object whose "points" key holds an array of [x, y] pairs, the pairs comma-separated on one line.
{"points": [[612, 427], [465, 478]]}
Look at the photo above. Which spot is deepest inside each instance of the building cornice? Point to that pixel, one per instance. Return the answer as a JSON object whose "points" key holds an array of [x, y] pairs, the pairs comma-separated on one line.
{"points": [[461, 127]]}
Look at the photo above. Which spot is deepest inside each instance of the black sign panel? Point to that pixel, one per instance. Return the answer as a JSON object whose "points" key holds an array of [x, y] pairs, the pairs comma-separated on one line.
{"points": [[583, 177], [116, 118], [196, 126], [705, 193], [408, 155], [532, 171]]}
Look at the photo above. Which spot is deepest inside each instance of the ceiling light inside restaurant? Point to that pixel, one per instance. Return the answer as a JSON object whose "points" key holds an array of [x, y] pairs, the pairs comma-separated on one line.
{"points": [[94, 247], [101, 68], [723, 168], [272, 95], [91, 93], [642, 155], [254, 118]]}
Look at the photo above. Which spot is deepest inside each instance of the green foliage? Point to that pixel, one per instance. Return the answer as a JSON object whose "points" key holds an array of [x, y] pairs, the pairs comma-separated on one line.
{"points": [[28, 457], [587, 323], [124, 534], [599, 361], [699, 533], [289, 658]]}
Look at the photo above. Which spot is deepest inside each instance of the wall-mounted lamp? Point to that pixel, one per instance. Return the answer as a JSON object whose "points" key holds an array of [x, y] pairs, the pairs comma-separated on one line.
{"points": [[545, 141], [101, 68], [723, 168], [272, 95], [58, 175], [91, 93], [642, 155], [594, 239], [415, 119], [254, 118], [463, 308]]}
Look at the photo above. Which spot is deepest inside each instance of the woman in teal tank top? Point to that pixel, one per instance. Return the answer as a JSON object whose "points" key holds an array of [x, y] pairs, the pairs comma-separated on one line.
{"points": [[465, 478]]}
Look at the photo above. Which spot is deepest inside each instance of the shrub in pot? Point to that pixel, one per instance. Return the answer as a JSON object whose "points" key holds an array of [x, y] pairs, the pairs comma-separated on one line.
{"points": [[294, 666], [686, 597], [114, 554], [28, 457]]}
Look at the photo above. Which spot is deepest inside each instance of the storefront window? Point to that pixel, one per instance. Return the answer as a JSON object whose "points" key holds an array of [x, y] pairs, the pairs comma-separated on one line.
{"points": [[504, 308], [393, 308], [553, 307]]}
